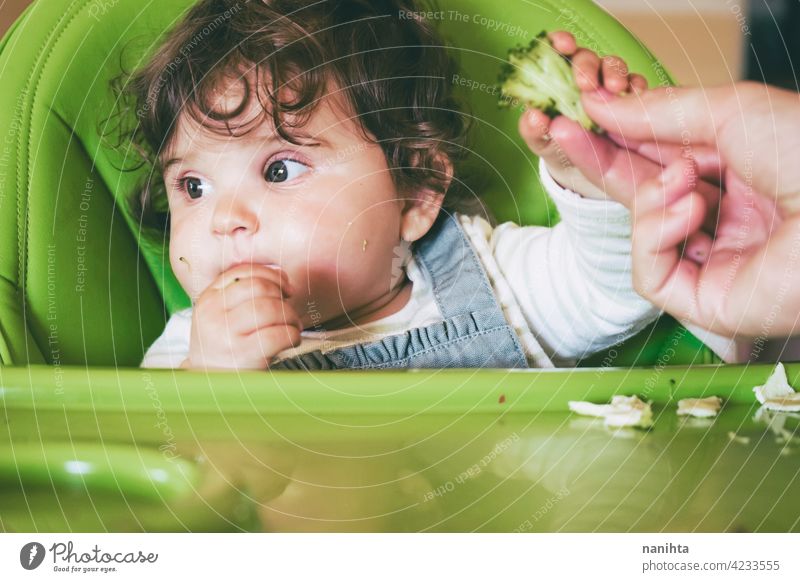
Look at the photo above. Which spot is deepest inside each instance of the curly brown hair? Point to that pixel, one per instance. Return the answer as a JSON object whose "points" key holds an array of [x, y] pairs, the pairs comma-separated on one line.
{"points": [[394, 68]]}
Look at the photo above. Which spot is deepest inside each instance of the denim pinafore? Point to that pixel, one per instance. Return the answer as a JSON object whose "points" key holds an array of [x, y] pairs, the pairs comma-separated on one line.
{"points": [[473, 334]]}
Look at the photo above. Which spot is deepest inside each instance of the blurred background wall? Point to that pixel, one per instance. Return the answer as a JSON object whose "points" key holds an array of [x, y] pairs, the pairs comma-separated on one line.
{"points": [[710, 42]]}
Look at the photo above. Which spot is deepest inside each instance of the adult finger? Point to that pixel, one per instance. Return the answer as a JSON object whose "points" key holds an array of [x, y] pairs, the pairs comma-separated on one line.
{"points": [[707, 158], [698, 247], [615, 170], [669, 114], [661, 273]]}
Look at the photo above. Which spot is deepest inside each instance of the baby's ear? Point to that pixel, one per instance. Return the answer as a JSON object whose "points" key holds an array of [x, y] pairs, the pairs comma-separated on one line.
{"points": [[423, 205]]}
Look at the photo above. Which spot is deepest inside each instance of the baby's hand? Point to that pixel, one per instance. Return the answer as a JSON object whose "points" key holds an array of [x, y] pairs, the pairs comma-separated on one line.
{"points": [[242, 320], [555, 141]]}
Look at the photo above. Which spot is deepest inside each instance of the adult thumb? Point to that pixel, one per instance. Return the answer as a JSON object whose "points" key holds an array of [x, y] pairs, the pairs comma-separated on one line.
{"points": [[666, 115]]}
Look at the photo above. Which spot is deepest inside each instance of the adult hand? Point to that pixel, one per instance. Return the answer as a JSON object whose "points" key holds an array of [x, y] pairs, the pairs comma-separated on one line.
{"points": [[744, 280], [749, 128]]}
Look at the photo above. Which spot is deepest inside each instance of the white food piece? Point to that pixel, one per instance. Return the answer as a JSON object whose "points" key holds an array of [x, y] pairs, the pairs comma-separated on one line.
{"points": [[776, 394], [738, 438], [623, 411], [700, 407]]}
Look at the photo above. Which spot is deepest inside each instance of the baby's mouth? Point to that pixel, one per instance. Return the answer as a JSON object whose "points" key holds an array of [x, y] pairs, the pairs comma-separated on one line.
{"points": [[252, 264]]}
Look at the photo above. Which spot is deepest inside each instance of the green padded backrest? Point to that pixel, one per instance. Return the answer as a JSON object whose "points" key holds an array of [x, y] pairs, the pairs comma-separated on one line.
{"points": [[77, 286]]}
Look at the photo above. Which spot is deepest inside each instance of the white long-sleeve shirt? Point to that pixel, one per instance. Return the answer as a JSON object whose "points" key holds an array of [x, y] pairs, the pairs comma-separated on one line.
{"points": [[567, 290]]}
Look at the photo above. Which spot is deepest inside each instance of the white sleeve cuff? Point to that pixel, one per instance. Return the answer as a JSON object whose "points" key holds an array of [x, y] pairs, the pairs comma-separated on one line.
{"points": [[574, 207]]}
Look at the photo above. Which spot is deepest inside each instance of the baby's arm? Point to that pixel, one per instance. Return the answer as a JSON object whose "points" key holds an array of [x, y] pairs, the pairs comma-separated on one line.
{"points": [[573, 282]]}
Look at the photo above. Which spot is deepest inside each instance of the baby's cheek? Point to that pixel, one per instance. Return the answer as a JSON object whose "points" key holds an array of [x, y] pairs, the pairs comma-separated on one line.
{"points": [[190, 263], [340, 265]]}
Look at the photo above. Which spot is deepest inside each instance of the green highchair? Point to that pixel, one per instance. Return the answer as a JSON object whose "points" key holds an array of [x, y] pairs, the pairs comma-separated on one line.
{"points": [[91, 442]]}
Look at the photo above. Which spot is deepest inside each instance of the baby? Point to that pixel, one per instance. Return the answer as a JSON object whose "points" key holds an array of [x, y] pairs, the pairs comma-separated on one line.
{"points": [[310, 159]]}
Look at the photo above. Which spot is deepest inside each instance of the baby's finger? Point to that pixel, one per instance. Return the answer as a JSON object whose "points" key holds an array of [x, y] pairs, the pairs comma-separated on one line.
{"points": [[249, 316], [257, 349], [237, 272], [637, 83], [586, 69], [275, 339], [534, 127], [247, 288], [563, 42], [615, 74]]}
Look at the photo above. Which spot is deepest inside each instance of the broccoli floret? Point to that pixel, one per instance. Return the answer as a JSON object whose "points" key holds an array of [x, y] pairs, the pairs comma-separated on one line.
{"points": [[540, 77]]}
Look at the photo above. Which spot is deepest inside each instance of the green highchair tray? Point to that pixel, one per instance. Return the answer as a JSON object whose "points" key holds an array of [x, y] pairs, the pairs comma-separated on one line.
{"points": [[448, 450]]}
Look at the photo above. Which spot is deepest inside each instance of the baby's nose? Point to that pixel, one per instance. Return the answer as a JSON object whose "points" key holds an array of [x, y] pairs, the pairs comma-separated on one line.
{"points": [[233, 215]]}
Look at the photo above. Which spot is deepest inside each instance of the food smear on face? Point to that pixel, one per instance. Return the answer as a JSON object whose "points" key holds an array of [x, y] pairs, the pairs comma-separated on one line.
{"points": [[699, 407], [624, 411], [776, 394]]}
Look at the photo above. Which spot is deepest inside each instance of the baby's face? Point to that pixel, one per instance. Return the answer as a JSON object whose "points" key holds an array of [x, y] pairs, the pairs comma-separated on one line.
{"points": [[329, 215]]}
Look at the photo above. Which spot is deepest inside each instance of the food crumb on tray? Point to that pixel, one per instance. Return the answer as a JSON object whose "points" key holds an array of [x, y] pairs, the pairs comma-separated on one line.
{"points": [[776, 394], [699, 407], [623, 411]]}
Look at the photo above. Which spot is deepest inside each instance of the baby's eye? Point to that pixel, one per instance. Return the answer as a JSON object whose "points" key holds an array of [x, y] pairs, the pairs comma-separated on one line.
{"points": [[194, 187], [284, 170]]}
